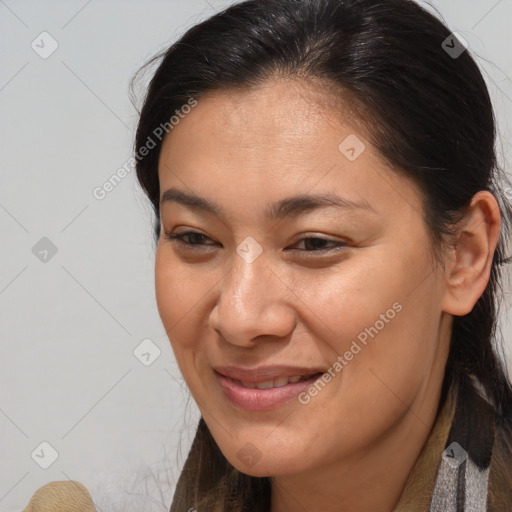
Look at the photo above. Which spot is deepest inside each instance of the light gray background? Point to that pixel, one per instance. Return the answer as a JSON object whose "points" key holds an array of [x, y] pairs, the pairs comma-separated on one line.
{"points": [[68, 327]]}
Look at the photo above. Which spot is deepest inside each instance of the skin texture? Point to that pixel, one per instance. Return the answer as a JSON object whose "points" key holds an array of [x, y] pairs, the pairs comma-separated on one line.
{"points": [[296, 305]]}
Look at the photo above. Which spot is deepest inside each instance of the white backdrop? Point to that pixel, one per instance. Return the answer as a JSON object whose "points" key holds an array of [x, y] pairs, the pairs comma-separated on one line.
{"points": [[76, 273]]}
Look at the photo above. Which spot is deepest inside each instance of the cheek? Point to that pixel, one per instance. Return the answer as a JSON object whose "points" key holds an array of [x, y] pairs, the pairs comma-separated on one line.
{"points": [[180, 297], [179, 288], [376, 318], [350, 302]]}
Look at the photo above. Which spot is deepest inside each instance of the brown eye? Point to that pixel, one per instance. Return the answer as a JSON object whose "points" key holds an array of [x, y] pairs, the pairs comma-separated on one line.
{"points": [[317, 244], [182, 238]]}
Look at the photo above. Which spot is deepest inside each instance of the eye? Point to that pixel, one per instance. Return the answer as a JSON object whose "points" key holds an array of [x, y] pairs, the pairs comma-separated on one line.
{"points": [[182, 237], [311, 244], [317, 244]]}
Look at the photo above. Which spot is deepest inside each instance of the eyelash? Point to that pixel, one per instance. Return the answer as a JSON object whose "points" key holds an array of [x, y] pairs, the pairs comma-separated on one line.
{"points": [[179, 238]]}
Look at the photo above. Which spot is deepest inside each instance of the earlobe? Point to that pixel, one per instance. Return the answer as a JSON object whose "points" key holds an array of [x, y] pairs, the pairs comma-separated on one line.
{"points": [[467, 273]]}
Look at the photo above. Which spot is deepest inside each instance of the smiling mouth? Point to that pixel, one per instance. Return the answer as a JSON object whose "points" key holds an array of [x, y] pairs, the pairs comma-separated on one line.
{"points": [[265, 395], [277, 382]]}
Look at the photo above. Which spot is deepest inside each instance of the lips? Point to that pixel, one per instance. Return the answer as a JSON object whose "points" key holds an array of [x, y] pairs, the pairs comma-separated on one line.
{"points": [[264, 395], [266, 374]]}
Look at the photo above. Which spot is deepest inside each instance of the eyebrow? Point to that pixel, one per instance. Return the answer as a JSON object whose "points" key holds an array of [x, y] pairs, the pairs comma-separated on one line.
{"points": [[290, 206]]}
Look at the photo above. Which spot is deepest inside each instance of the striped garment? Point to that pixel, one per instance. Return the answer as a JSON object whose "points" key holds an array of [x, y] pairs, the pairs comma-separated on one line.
{"points": [[466, 464]]}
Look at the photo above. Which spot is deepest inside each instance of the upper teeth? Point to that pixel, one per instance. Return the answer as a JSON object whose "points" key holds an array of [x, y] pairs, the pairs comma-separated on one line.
{"points": [[276, 383]]}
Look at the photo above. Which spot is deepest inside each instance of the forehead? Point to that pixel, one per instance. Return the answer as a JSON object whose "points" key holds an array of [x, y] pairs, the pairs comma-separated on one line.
{"points": [[278, 110], [281, 138]]}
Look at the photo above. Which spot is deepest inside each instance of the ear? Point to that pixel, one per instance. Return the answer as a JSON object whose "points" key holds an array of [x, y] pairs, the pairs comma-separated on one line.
{"points": [[468, 265]]}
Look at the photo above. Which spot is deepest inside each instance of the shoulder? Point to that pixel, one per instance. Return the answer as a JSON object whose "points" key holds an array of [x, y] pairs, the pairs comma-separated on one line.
{"points": [[485, 435]]}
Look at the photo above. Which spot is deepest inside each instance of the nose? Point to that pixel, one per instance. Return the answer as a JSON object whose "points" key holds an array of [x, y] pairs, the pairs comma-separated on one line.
{"points": [[253, 303]]}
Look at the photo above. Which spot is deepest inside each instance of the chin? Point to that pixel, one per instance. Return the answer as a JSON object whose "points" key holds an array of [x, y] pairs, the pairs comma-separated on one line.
{"points": [[264, 467]]}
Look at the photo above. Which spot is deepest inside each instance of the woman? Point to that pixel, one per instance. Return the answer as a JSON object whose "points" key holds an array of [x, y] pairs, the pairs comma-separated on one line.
{"points": [[359, 372]]}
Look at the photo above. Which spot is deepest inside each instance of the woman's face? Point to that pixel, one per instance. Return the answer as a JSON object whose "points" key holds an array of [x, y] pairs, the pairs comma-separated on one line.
{"points": [[345, 289]]}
